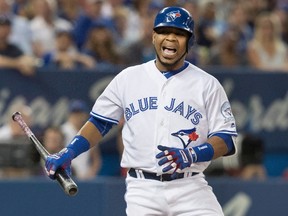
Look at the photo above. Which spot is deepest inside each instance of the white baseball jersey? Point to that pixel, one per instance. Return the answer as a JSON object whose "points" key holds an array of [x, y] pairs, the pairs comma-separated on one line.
{"points": [[183, 110]]}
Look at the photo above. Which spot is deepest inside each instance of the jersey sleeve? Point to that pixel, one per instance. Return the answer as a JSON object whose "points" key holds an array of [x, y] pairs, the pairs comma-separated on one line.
{"points": [[108, 106], [219, 113], [220, 117]]}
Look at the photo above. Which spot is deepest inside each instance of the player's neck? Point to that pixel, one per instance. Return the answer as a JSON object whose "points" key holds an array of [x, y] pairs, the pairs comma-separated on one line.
{"points": [[166, 67], [171, 73]]}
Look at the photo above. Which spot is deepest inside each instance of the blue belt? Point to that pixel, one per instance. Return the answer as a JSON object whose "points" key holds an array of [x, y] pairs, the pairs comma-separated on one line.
{"points": [[164, 177]]}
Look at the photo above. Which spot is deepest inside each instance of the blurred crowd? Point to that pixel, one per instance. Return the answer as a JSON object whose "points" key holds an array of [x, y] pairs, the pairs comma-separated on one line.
{"points": [[91, 34]]}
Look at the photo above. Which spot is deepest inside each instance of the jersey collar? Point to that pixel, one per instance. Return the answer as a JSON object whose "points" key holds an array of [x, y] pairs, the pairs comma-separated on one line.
{"points": [[168, 74]]}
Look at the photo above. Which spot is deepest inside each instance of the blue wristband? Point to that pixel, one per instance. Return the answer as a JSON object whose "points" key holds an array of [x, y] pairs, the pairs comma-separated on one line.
{"points": [[204, 152], [79, 145]]}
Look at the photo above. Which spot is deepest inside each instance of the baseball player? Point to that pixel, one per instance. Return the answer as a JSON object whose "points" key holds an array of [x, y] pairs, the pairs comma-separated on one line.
{"points": [[177, 119]]}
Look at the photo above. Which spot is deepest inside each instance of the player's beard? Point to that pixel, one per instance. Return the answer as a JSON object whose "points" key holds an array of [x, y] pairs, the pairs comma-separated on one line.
{"points": [[170, 65]]}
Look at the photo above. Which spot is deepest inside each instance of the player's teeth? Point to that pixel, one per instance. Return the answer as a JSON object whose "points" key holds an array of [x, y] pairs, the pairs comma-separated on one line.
{"points": [[169, 51]]}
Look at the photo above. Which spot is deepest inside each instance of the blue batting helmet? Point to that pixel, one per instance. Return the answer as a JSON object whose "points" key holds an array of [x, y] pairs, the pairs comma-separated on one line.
{"points": [[176, 17]]}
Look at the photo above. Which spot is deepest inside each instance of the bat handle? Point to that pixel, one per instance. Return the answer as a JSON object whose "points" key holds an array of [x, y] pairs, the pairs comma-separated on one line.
{"points": [[17, 117]]}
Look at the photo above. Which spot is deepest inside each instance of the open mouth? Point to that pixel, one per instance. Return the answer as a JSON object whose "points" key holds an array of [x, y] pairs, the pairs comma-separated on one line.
{"points": [[169, 50]]}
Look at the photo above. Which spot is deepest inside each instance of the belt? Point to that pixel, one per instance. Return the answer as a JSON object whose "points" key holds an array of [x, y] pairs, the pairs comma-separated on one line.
{"points": [[164, 177]]}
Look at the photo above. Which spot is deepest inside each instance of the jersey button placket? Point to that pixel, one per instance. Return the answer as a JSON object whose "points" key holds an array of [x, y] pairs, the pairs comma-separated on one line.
{"points": [[163, 116], [161, 122], [163, 94]]}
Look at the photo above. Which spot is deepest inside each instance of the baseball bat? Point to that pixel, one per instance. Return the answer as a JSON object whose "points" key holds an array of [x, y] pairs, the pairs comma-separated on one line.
{"points": [[65, 181]]}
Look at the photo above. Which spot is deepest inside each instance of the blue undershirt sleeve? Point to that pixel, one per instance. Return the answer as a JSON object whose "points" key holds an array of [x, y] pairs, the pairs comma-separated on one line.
{"points": [[228, 141], [103, 126]]}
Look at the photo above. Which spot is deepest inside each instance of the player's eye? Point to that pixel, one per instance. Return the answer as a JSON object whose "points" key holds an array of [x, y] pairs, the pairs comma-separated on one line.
{"points": [[180, 33], [167, 31], [162, 31]]}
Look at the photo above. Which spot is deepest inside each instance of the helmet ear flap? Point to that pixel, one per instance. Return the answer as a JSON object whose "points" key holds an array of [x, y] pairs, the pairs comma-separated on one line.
{"points": [[190, 42]]}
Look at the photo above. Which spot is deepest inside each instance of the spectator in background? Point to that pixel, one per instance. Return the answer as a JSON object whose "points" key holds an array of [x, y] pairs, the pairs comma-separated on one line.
{"points": [[11, 130], [87, 165], [11, 134], [170, 3], [252, 158], [120, 21], [256, 7], [238, 20], [109, 8], [226, 52], [18, 13], [142, 50], [282, 12], [135, 18], [66, 55], [69, 10], [20, 34], [11, 56], [247, 164], [90, 14], [5, 8], [193, 8], [53, 140], [101, 46], [44, 26], [207, 33], [267, 51]]}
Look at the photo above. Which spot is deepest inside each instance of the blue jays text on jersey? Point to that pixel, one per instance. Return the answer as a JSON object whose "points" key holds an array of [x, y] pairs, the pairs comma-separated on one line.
{"points": [[150, 103]]}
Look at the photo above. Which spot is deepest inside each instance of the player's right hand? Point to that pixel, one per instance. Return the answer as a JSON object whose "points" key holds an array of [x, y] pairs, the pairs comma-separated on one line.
{"points": [[61, 159], [175, 159]]}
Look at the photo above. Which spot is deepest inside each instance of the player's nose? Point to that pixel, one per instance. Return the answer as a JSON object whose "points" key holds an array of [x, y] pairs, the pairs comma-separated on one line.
{"points": [[171, 36]]}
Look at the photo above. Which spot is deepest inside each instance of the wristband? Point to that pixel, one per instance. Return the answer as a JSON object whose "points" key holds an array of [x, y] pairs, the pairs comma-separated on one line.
{"points": [[79, 145], [204, 152]]}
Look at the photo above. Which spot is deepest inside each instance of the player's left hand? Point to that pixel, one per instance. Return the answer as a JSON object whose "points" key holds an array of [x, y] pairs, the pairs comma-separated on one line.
{"points": [[175, 158]]}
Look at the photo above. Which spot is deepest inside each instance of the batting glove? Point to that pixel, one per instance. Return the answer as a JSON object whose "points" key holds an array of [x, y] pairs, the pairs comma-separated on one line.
{"points": [[175, 158], [61, 159]]}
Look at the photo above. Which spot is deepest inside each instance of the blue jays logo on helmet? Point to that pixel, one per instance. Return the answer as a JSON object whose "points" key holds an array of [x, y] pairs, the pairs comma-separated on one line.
{"points": [[173, 15], [176, 17], [186, 136]]}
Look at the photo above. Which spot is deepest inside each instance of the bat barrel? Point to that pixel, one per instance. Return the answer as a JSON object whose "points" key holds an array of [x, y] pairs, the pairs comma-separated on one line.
{"points": [[66, 182]]}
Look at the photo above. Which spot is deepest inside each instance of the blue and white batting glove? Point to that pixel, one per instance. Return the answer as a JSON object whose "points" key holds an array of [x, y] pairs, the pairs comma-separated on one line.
{"points": [[175, 158], [61, 159]]}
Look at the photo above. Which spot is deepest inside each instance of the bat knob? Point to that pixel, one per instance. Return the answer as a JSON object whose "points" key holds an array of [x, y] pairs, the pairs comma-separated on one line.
{"points": [[15, 114], [73, 191]]}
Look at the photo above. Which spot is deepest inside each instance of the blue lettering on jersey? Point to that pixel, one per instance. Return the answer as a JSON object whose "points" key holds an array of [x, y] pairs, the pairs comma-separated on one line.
{"points": [[150, 103], [143, 105], [153, 103], [128, 114], [133, 110], [196, 118], [181, 109]]}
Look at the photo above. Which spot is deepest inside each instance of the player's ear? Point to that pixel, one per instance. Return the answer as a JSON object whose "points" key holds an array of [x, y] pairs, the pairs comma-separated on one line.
{"points": [[153, 37]]}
